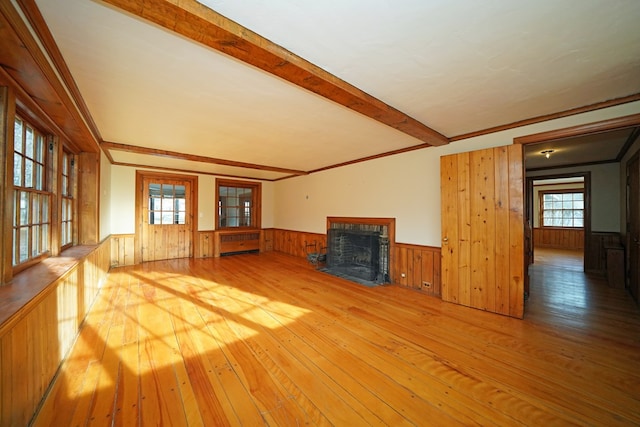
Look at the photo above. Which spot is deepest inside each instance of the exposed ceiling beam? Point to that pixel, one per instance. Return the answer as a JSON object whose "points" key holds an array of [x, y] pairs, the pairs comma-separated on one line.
{"points": [[201, 24], [192, 157]]}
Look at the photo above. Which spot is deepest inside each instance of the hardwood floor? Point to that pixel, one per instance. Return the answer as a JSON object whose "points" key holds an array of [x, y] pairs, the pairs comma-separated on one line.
{"points": [[266, 340]]}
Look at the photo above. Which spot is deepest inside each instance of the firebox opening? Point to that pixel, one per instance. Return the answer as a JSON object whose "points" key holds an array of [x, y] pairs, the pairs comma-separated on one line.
{"points": [[358, 252]]}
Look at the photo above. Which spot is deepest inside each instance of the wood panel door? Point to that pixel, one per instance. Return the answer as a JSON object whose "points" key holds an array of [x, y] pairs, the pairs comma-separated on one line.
{"points": [[633, 226], [483, 229], [165, 217]]}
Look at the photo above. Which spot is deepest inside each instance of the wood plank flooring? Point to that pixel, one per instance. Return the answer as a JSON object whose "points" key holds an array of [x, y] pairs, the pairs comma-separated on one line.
{"points": [[266, 340]]}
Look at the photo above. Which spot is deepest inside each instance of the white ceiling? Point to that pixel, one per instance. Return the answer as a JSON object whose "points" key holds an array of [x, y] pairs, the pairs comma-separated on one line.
{"points": [[457, 66]]}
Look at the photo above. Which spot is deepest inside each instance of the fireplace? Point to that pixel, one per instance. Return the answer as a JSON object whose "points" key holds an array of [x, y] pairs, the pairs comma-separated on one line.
{"points": [[358, 252]]}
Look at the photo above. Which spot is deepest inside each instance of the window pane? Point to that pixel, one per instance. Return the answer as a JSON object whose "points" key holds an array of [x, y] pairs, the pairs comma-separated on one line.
{"points": [[40, 144], [17, 136], [28, 173], [45, 208], [15, 246], [167, 217], [180, 218], [45, 238], [154, 190], [155, 217], [167, 204], [29, 143], [36, 239], [24, 208], [167, 190], [154, 203], [24, 244], [39, 177], [179, 191], [36, 208], [578, 222], [17, 170]]}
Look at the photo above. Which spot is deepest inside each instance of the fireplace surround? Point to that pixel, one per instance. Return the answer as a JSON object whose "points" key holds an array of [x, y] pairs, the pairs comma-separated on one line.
{"points": [[358, 249]]}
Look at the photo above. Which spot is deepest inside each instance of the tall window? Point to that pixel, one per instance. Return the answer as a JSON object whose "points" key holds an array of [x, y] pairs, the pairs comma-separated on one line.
{"points": [[31, 219], [238, 204], [562, 209], [67, 189]]}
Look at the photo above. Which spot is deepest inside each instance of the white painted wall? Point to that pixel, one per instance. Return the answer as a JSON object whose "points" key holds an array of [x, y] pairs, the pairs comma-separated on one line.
{"points": [[407, 186], [123, 201], [404, 186]]}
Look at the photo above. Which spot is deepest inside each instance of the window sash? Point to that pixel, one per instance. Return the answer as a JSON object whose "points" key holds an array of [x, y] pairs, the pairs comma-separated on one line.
{"points": [[237, 204], [562, 209], [31, 199]]}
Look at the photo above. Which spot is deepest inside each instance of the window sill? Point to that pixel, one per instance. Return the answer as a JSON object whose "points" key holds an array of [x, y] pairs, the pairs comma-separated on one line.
{"points": [[34, 283]]}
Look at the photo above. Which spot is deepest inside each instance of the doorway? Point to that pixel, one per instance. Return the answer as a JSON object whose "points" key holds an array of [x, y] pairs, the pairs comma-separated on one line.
{"points": [[559, 213], [599, 148], [165, 204]]}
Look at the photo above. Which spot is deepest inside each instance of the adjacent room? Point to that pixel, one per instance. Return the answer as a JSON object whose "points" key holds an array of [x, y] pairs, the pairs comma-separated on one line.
{"points": [[319, 213]]}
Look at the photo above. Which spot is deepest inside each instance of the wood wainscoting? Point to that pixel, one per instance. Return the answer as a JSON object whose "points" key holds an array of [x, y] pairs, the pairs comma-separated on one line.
{"points": [[122, 249], [419, 264], [416, 267], [40, 315], [298, 243], [558, 238], [206, 244]]}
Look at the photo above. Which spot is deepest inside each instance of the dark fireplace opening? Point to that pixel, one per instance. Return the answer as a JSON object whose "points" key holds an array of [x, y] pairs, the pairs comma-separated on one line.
{"points": [[359, 255]]}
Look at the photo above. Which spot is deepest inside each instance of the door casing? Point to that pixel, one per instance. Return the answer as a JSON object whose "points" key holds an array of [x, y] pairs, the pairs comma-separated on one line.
{"points": [[141, 213]]}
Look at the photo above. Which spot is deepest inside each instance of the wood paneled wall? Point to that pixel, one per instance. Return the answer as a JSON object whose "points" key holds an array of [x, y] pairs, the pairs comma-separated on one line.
{"points": [[122, 249], [419, 264], [205, 244], [298, 243], [416, 267], [34, 341], [558, 238]]}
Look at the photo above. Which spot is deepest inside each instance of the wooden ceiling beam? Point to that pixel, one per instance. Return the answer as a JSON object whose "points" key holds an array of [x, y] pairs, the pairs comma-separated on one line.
{"points": [[201, 24], [107, 146]]}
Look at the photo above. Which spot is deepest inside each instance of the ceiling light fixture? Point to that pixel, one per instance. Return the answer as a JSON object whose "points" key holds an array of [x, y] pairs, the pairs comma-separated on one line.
{"points": [[547, 153]]}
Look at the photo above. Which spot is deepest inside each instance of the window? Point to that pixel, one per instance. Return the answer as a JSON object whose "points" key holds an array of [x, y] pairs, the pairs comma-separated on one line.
{"points": [[67, 190], [562, 209], [167, 204], [31, 199], [238, 204]]}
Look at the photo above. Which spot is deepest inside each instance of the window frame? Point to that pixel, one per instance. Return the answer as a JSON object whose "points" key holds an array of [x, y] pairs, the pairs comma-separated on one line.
{"points": [[67, 197], [256, 204], [40, 189], [541, 211]]}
